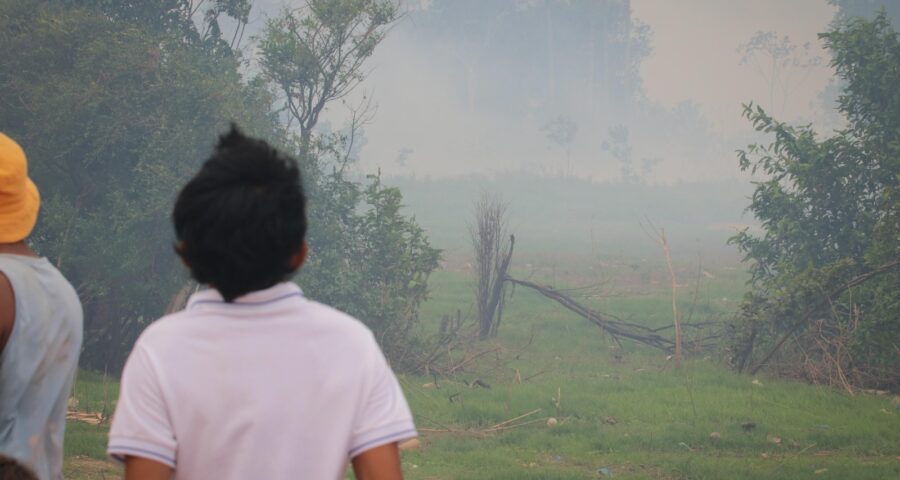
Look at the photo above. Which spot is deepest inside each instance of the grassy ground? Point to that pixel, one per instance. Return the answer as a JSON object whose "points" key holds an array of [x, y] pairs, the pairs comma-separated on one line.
{"points": [[624, 412]]}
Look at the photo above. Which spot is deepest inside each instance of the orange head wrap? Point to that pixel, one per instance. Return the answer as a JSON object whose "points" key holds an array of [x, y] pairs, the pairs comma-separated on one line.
{"points": [[19, 197]]}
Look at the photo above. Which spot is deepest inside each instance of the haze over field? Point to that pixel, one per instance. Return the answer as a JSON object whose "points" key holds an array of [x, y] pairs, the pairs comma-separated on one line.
{"points": [[643, 92], [469, 89]]}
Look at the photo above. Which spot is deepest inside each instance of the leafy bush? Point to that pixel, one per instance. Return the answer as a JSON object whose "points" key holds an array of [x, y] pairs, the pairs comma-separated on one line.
{"points": [[824, 301]]}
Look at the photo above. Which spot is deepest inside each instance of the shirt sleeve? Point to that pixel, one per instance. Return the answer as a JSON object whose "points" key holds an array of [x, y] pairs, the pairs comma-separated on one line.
{"points": [[141, 425], [384, 416]]}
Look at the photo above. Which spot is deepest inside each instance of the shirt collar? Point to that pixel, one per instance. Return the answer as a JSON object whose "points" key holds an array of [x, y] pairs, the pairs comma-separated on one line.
{"points": [[275, 293]]}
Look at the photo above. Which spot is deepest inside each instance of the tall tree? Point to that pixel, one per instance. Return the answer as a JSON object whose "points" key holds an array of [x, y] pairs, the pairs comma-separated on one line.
{"points": [[561, 131], [315, 53]]}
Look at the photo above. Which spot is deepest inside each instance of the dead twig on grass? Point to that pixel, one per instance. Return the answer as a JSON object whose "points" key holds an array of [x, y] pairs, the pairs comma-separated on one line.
{"points": [[510, 427], [499, 427], [533, 375], [511, 420]]}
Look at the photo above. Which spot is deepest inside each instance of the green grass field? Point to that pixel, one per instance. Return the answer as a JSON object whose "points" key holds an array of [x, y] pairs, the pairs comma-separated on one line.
{"points": [[623, 412]]}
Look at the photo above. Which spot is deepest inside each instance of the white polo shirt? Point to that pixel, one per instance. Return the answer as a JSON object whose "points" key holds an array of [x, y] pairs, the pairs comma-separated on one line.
{"points": [[270, 386]]}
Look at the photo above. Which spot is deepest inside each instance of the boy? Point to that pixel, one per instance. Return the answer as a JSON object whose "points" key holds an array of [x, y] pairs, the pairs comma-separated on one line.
{"points": [[40, 329], [252, 380]]}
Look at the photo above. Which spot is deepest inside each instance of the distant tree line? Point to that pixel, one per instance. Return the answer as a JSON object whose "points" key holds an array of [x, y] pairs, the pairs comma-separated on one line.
{"points": [[117, 103]]}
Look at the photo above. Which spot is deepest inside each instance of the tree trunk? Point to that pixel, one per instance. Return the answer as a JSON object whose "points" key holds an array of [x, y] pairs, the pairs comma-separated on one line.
{"points": [[495, 307]]}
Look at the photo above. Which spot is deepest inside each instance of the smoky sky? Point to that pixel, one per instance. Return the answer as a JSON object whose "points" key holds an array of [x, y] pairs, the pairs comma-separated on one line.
{"points": [[482, 89]]}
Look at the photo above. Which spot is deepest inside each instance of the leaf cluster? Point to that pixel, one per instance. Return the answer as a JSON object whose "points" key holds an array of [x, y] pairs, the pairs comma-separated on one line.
{"points": [[367, 257]]}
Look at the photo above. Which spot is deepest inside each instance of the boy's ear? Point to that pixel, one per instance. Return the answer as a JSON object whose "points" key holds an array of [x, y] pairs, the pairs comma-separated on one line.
{"points": [[179, 249], [299, 257]]}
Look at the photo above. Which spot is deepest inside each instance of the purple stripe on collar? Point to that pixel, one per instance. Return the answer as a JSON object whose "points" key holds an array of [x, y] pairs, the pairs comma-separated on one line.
{"points": [[247, 303], [266, 296]]}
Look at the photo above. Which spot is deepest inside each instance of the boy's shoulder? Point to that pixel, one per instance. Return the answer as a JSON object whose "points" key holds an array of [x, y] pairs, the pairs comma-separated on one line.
{"points": [[308, 314], [326, 316]]}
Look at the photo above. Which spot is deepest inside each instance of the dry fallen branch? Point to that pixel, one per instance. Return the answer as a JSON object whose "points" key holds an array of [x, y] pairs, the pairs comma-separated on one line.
{"points": [[616, 326], [502, 426], [510, 427], [533, 375], [511, 420], [457, 351], [92, 418]]}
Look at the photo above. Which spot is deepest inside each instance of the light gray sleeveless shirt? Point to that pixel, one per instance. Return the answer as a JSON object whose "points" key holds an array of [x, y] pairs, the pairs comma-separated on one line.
{"points": [[38, 364]]}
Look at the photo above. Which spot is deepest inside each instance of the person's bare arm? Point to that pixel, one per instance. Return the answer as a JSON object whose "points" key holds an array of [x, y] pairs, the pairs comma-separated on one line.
{"points": [[138, 468], [379, 463], [7, 310]]}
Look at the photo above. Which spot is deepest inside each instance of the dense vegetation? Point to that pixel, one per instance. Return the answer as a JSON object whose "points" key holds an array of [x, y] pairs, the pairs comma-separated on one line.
{"points": [[824, 303], [116, 105]]}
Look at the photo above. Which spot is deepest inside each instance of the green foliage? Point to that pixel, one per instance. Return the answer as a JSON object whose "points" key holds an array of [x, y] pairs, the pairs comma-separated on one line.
{"points": [[400, 260], [117, 103], [113, 118], [369, 259], [848, 9], [829, 207], [176, 17]]}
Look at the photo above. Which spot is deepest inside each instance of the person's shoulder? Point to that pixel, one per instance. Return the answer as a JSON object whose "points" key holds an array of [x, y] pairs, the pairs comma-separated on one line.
{"points": [[65, 289], [165, 329], [173, 324], [336, 319]]}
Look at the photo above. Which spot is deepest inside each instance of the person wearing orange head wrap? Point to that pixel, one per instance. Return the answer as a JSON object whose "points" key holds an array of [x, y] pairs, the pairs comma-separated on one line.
{"points": [[40, 329]]}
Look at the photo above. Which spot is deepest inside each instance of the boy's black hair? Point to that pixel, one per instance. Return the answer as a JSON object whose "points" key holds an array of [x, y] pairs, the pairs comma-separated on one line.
{"points": [[11, 469], [242, 217]]}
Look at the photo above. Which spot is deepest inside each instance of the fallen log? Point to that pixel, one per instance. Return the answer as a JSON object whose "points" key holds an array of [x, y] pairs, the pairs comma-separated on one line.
{"points": [[616, 327]]}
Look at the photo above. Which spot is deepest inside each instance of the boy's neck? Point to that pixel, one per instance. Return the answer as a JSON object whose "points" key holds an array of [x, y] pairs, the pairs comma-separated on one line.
{"points": [[17, 248]]}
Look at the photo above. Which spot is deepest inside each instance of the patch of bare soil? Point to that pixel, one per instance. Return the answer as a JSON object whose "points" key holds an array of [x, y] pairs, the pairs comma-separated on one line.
{"points": [[87, 468]]}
